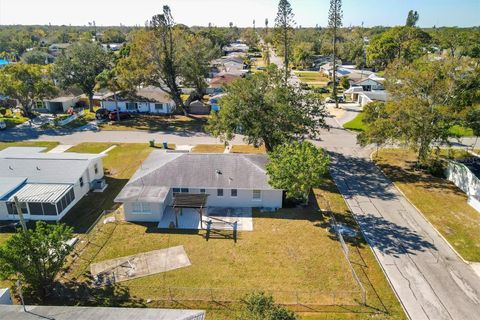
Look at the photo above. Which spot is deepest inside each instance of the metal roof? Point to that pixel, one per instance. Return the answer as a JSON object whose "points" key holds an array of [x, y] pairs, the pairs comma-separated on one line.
{"points": [[44, 193], [7, 185], [37, 167], [15, 312]]}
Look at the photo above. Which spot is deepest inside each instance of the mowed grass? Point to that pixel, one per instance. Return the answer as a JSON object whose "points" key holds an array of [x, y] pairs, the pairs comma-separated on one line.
{"points": [[45, 144], [245, 148], [356, 124], [460, 131], [209, 148], [119, 165], [441, 202], [292, 250], [154, 123], [12, 119]]}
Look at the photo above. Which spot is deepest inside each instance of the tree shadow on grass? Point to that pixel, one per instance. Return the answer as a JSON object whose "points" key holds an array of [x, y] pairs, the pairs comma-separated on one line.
{"points": [[87, 293]]}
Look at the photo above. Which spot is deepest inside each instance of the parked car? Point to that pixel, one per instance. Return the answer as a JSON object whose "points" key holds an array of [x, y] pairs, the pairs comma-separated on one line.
{"points": [[321, 90], [101, 114], [3, 125], [340, 99], [123, 115], [305, 86]]}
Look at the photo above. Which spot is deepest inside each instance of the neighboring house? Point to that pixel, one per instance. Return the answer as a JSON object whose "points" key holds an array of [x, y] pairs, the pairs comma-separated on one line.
{"points": [[367, 97], [17, 312], [236, 47], [228, 180], [145, 100], [369, 84], [214, 102], [217, 84], [47, 185], [198, 107], [59, 104], [58, 48]]}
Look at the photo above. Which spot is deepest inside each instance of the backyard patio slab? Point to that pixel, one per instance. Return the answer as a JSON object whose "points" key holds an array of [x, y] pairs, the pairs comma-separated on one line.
{"points": [[141, 265]]}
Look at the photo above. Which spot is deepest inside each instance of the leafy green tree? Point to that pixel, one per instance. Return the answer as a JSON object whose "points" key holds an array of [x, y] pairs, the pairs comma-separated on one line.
{"points": [[27, 83], [36, 257], [335, 15], [80, 66], [35, 57], [153, 58], [297, 168], [405, 43], [345, 82], [472, 121], [259, 306], [267, 111], [195, 55], [283, 32], [426, 98], [302, 54], [412, 19], [112, 36]]}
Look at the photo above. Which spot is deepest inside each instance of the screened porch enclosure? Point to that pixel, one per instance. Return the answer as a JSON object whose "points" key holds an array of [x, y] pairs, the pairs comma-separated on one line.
{"points": [[42, 200]]}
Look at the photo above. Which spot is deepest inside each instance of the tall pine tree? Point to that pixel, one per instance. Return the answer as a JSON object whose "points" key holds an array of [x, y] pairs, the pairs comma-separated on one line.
{"points": [[283, 28], [335, 15]]}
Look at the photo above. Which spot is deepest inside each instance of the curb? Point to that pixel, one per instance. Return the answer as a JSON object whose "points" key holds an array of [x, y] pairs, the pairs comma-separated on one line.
{"points": [[423, 216]]}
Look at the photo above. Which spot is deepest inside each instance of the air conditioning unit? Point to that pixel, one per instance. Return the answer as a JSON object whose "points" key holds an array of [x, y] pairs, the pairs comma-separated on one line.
{"points": [[98, 185]]}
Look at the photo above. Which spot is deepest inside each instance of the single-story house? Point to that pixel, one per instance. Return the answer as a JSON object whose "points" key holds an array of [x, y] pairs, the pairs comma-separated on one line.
{"points": [[47, 185], [369, 84], [218, 180], [144, 100], [199, 107], [214, 101], [59, 104], [367, 97], [217, 84]]}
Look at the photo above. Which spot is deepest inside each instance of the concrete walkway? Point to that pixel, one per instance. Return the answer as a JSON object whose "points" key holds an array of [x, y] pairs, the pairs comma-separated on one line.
{"points": [[431, 281], [61, 148]]}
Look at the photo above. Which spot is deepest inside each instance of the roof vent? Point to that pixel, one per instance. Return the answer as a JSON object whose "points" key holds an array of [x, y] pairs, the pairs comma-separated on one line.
{"points": [[38, 168], [10, 167], [218, 171]]}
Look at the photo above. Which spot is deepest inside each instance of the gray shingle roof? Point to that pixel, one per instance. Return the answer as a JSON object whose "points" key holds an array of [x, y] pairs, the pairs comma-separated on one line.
{"points": [[15, 312], [197, 170]]}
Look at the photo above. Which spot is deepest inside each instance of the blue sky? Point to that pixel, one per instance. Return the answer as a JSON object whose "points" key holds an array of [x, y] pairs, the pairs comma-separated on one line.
{"points": [[240, 12]]}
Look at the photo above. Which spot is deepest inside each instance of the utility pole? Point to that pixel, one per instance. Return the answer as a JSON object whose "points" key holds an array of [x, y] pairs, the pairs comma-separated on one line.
{"points": [[20, 215], [20, 293]]}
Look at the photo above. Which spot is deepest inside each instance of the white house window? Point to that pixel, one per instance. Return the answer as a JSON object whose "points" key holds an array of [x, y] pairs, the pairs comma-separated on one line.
{"points": [[131, 106], [159, 107], [141, 207], [233, 193], [219, 192], [176, 190], [81, 182], [202, 190], [257, 195], [184, 190]]}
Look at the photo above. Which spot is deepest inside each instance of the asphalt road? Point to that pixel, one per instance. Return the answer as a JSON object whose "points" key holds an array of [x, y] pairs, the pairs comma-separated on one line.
{"points": [[431, 281]]}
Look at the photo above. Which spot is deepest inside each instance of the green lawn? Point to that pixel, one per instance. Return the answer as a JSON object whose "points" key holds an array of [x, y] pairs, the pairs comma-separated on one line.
{"points": [[158, 123], [245, 148], [209, 148], [356, 124], [442, 203], [289, 251], [119, 165], [313, 78], [461, 131]]}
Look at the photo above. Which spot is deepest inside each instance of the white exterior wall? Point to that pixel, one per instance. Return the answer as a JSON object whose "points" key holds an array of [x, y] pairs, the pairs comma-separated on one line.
{"points": [[369, 82], [475, 203], [142, 107], [463, 178], [5, 296], [155, 214], [79, 191], [244, 198]]}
